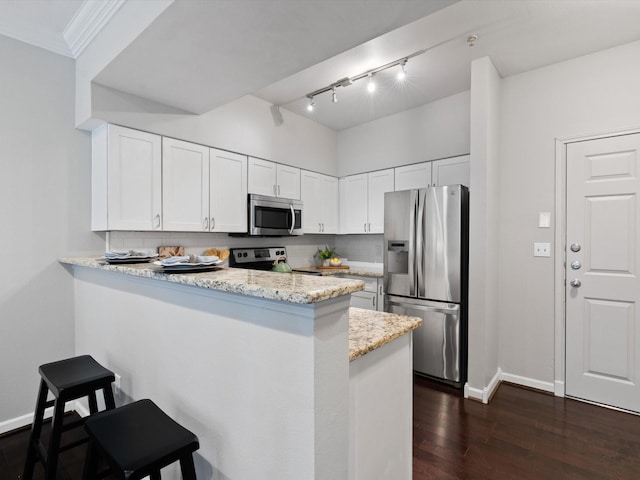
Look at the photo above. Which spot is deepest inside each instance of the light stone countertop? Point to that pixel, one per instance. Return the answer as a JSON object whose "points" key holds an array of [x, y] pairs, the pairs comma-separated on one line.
{"points": [[286, 287], [369, 329]]}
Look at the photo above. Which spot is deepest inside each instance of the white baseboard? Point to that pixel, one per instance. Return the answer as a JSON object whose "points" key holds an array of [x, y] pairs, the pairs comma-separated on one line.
{"points": [[485, 393], [559, 388], [24, 420], [528, 382]]}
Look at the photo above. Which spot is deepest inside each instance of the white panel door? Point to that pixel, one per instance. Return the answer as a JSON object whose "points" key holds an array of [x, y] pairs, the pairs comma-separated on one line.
{"points": [[413, 176], [288, 182], [228, 192], [380, 182], [602, 286], [262, 177], [451, 171], [134, 180], [185, 186]]}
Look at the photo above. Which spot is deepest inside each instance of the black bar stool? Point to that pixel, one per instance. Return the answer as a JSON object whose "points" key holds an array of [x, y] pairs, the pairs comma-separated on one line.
{"points": [[67, 380], [137, 440]]}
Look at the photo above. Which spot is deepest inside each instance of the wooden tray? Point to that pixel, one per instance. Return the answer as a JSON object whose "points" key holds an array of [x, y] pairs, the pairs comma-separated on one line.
{"points": [[332, 267]]}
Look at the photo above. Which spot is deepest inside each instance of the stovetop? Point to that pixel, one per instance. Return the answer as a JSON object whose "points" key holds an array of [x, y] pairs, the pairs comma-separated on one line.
{"points": [[260, 258]]}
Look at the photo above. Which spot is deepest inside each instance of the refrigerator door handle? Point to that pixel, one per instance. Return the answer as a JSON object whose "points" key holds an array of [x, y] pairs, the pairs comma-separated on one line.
{"points": [[412, 244], [419, 247], [424, 308]]}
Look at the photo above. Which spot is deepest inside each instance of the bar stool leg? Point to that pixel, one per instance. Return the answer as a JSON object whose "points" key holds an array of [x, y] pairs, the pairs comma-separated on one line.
{"points": [[90, 470], [93, 403], [187, 467], [155, 475], [109, 401], [54, 440], [36, 430]]}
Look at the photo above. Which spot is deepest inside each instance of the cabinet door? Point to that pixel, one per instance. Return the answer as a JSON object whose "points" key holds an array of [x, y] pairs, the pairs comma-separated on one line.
{"points": [[134, 187], [228, 192], [329, 195], [262, 177], [451, 171], [310, 193], [380, 182], [413, 176], [185, 186], [363, 300], [288, 182], [353, 204]]}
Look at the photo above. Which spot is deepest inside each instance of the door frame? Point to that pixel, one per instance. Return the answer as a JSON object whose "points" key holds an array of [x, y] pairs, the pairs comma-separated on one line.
{"points": [[560, 225]]}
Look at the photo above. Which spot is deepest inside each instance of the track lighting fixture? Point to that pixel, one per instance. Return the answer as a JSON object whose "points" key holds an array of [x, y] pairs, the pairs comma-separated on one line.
{"points": [[402, 74], [371, 86]]}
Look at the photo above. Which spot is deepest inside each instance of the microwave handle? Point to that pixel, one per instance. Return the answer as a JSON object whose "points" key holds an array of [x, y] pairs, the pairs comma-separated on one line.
{"points": [[293, 219]]}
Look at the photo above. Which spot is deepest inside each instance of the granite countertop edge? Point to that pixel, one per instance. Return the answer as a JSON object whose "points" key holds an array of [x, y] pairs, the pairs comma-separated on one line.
{"points": [[370, 329], [286, 287], [325, 272]]}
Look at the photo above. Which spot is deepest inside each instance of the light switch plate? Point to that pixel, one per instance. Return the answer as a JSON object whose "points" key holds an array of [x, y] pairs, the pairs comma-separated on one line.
{"points": [[541, 249], [544, 220]]}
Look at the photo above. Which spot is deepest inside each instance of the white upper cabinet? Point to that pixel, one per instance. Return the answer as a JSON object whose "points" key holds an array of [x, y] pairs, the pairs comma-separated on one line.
{"points": [[451, 171], [417, 175], [273, 179], [185, 186], [319, 194], [380, 182], [126, 179], [362, 201], [288, 182], [228, 195], [262, 177]]}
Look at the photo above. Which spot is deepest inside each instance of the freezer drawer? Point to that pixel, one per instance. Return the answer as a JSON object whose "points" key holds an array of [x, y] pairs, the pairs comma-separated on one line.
{"points": [[438, 346]]}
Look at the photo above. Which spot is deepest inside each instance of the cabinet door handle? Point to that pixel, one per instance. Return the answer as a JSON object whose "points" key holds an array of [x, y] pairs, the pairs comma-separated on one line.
{"points": [[319, 227], [373, 300], [205, 224], [274, 190], [369, 227], [278, 190], [380, 289], [213, 223], [323, 227], [365, 227], [157, 220]]}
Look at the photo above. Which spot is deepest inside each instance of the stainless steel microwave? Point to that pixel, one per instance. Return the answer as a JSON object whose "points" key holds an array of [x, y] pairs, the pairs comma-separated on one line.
{"points": [[272, 216]]}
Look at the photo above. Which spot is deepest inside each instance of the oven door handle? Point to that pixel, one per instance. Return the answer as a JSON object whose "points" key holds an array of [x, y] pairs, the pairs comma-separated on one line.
{"points": [[293, 219]]}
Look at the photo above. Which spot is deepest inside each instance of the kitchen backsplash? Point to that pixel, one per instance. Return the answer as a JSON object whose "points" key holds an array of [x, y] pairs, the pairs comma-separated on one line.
{"points": [[360, 248]]}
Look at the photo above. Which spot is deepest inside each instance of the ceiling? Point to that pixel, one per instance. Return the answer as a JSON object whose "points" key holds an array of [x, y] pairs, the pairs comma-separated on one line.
{"points": [[200, 54]]}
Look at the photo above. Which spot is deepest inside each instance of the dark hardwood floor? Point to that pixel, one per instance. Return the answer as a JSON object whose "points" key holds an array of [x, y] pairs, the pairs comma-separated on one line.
{"points": [[522, 434]]}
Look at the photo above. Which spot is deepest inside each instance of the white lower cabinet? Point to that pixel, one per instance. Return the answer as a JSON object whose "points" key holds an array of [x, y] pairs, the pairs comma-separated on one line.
{"points": [[371, 297], [319, 194]]}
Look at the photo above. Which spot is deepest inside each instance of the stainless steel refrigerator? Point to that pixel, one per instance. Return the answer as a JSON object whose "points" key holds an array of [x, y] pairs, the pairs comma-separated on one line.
{"points": [[426, 238]]}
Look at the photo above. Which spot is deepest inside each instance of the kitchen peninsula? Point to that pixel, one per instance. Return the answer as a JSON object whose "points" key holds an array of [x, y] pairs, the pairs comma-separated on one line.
{"points": [[277, 376]]}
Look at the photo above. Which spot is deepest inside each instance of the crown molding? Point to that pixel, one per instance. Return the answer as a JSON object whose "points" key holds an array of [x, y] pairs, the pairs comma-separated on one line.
{"points": [[26, 32], [90, 18]]}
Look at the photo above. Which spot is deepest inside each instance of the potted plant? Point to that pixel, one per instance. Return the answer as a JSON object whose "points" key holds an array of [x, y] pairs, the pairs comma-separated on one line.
{"points": [[328, 256]]}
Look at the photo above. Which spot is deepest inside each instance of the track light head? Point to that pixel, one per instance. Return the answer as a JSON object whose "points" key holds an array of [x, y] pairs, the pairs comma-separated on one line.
{"points": [[334, 98], [312, 105], [371, 86], [402, 74]]}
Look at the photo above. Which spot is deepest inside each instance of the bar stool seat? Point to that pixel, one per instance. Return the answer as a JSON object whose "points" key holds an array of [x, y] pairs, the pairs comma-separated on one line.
{"points": [[137, 440], [67, 380]]}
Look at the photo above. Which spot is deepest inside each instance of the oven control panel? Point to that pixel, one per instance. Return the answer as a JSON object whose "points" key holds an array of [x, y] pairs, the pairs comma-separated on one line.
{"points": [[253, 255]]}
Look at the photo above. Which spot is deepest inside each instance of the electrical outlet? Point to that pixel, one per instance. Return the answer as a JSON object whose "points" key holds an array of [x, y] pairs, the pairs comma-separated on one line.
{"points": [[541, 249]]}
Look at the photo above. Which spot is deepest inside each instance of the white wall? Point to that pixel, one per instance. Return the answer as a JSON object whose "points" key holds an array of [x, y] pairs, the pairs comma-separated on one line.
{"points": [[245, 126], [597, 93], [44, 212], [483, 229], [436, 130]]}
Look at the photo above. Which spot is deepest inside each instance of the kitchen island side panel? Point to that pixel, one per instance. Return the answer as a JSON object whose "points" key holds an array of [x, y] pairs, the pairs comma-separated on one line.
{"points": [[259, 381]]}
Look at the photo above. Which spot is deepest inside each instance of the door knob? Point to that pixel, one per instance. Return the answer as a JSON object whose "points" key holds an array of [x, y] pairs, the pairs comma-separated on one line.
{"points": [[576, 265], [576, 283], [575, 247]]}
